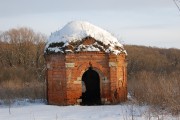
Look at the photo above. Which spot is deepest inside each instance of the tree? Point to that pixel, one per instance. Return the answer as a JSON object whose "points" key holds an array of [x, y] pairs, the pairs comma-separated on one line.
{"points": [[177, 3], [22, 47]]}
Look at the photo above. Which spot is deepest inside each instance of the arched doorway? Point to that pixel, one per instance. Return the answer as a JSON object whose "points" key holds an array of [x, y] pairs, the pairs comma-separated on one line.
{"points": [[91, 88]]}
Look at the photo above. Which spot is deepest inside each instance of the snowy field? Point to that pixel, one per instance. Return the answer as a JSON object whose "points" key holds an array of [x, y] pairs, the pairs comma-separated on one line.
{"points": [[39, 111]]}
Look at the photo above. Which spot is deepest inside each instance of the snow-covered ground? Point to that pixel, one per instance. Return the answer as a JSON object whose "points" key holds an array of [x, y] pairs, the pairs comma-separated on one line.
{"points": [[39, 111]]}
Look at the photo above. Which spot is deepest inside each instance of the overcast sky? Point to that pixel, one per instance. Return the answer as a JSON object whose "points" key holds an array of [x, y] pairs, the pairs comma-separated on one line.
{"points": [[140, 22]]}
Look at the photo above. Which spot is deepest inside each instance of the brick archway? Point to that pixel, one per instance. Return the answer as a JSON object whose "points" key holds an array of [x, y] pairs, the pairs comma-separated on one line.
{"points": [[96, 67], [91, 88]]}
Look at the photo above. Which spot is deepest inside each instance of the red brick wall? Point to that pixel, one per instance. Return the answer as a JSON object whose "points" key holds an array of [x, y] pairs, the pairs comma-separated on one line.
{"points": [[56, 79], [64, 74]]}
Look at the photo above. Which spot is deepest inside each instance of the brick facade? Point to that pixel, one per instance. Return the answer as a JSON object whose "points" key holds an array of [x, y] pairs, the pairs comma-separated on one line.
{"points": [[65, 71]]}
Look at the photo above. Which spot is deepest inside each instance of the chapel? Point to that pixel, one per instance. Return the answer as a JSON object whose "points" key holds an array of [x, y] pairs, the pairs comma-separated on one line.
{"points": [[86, 65]]}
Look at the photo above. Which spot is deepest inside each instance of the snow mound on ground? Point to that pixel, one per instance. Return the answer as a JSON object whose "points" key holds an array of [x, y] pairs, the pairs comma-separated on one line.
{"points": [[70, 37]]}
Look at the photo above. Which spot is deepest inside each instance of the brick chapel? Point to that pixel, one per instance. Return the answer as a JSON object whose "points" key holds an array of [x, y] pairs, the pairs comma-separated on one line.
{"points": [[86, 65]]}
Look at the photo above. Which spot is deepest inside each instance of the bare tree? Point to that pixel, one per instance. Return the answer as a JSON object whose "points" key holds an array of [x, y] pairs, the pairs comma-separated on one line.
{"points": [[177, 3], [22, 46], [22, 62]]}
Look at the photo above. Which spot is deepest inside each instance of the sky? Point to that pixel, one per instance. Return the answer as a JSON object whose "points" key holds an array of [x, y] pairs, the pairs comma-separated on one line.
{"points": [[153, 23]]}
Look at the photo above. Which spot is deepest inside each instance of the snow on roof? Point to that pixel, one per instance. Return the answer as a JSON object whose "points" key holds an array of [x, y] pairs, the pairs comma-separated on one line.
{"points": [[74, 32]]}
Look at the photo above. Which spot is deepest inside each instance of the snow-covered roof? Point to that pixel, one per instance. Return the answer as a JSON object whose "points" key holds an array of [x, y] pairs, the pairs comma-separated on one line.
{"points": [[70, 39]]}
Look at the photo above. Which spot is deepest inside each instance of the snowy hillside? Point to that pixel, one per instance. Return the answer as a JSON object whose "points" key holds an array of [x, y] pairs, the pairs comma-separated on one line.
{"points": [[74, 32]]}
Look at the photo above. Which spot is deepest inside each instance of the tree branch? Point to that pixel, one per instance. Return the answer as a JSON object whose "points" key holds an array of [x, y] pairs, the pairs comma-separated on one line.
{"points": [[177, 4]]}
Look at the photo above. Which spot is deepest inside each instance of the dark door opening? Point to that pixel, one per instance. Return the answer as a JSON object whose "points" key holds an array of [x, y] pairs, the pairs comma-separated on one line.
{"points": [[91, 94]]}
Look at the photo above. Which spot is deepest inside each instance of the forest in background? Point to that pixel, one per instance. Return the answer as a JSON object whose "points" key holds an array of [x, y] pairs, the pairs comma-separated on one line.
{"points": [[22, 64], [154, 76], [153, 73]]}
